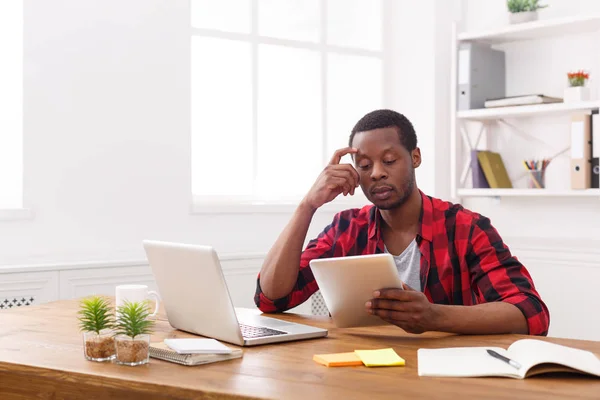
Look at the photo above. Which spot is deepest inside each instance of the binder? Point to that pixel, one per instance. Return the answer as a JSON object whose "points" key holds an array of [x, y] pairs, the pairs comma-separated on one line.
{"points": [[479, 181], [481, 75], [581, 168], [595, 150]]}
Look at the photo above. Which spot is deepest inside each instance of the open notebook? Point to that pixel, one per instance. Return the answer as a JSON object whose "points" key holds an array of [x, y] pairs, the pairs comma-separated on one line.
{"points": [[535, 356]]}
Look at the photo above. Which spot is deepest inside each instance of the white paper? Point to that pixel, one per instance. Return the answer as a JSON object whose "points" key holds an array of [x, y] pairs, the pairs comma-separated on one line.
{"points": [[596, 135], [577, 140], [197, 346], [463, 66]]}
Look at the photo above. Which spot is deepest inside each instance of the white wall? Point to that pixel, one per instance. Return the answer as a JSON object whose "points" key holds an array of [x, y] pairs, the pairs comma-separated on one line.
{"points": [[419, 78]]}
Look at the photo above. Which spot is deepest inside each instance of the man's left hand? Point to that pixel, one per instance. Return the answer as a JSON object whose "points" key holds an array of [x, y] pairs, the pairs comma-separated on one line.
{"points": [[405, 308]]}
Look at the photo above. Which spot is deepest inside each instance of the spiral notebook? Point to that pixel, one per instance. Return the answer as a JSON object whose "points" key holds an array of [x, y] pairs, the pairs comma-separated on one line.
{"points": [[161, 351]]}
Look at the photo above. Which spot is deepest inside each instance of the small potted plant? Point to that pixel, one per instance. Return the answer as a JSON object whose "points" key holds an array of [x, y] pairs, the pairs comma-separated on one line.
{"points": [[523, 10], [133, 329], [96, 322], [577, 91]]}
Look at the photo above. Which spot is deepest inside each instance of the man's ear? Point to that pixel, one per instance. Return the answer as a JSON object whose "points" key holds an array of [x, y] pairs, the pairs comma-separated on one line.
{"points": [[416, 157]]}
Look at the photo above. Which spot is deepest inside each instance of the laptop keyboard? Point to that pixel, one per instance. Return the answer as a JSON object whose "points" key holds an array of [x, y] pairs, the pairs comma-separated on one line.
{"points": [[250, 332]]}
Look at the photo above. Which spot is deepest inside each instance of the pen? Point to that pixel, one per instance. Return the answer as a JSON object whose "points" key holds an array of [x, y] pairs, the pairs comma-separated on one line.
{"points": [[512, 363]]}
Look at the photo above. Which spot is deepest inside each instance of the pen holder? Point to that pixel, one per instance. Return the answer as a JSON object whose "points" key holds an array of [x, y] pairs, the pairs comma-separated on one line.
{"points": [[536, 179]]}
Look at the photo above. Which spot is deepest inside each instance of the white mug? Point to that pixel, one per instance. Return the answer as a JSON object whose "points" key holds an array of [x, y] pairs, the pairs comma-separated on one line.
{"points": [[135, 293]]}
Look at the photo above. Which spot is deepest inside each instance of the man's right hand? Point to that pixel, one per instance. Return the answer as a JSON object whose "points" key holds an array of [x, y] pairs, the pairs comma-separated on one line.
{"points": [[336, 178]]}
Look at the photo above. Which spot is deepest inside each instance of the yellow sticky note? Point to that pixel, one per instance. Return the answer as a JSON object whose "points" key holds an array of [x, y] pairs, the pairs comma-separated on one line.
{"points": [[379, 358], [338, 359]]}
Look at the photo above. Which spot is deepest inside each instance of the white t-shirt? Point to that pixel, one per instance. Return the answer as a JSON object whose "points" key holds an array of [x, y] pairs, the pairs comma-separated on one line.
{"points": [[409, 265]]}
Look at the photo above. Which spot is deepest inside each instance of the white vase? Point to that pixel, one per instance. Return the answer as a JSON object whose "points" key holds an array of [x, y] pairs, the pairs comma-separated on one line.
{"points": [[574, 94], [520, 17]]}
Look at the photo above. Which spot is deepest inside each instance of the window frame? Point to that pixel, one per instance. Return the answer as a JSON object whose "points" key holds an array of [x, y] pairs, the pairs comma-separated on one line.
{"points": [[202, 204], [20, 212]]}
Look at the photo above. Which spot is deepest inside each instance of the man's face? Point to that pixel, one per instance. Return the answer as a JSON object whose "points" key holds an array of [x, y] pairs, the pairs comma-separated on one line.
{"points": [[386, 168]]}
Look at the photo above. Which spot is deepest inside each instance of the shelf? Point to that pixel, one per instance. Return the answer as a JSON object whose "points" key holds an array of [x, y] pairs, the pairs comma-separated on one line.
{"points": [[526, 111], [535, 30], [527, 193]]}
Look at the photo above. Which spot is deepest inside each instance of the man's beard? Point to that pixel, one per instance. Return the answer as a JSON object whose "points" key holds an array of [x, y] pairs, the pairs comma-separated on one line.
{"points": [[404, 193]]}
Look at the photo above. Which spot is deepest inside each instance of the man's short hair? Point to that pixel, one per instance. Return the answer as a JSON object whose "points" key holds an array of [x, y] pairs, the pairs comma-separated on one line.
{"points": [[385, 119]]}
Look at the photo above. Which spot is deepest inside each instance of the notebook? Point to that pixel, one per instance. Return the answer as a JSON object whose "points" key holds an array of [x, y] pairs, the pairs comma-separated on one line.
{"points": [[521, 100], [534, 356], [161, 351], [494, 170]]}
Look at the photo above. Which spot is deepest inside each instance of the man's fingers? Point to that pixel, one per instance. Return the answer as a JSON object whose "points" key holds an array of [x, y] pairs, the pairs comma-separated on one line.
{"points": [[337, 156], [394, 317], [393, 305], [347, 170], [339, 183], [396, 294]]}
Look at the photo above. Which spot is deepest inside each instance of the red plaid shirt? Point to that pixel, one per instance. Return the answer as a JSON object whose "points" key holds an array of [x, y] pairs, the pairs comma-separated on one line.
{"points": [[463, 260]]}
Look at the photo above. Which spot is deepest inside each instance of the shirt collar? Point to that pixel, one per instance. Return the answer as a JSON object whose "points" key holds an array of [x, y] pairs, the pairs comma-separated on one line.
{"points": [[425, 219]]}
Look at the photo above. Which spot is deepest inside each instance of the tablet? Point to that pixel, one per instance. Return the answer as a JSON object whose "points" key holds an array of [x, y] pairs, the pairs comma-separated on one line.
{"points": [[347, 283]]}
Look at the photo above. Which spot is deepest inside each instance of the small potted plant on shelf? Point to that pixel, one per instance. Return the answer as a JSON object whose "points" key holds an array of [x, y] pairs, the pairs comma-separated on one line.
{"points": [[96, 321], [133, 329], [577, 91], [523, 10]]}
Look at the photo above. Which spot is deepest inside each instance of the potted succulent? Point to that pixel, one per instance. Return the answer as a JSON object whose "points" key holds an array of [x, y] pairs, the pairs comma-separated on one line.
{"points": [[523, 10], [96, 322], [133, 329], [577, 91]]}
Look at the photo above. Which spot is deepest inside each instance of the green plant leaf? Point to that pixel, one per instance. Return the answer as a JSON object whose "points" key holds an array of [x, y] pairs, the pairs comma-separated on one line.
{"points": [[517, 6], [133, 319], [95, 314]]}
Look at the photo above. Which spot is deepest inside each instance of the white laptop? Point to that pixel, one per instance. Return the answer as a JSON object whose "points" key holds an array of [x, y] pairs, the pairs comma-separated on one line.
{"points": [[195, 296]]}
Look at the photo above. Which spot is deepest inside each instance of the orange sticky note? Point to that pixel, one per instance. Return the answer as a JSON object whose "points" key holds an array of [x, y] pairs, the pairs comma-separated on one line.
{"points": [[338, 359]]}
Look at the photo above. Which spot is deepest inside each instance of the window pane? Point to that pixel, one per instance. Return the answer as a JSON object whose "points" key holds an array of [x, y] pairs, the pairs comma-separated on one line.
{"points": [[11, 104], [224, 15], [289, 121], [355, 23], [289, 19], [221, 117], [354, 88]]}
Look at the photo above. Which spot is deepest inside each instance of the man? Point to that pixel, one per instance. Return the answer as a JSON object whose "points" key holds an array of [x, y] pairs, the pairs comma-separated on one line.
{"points": [[448, 256]]}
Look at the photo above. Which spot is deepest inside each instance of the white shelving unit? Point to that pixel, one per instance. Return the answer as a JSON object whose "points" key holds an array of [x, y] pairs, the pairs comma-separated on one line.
{"points": [[527, 193], [540, 29], [526, 111]]}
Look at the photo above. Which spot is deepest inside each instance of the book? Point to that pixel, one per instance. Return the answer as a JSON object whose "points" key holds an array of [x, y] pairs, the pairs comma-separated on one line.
{"points": [[338, 359], [197, 346], [521, 100], [161, 351], [534, 356], [479, 181], [494, 170]]}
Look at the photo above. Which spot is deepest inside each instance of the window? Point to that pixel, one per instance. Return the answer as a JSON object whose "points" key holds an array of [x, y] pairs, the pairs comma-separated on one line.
{"points": [[11, 104], [276, 87]]}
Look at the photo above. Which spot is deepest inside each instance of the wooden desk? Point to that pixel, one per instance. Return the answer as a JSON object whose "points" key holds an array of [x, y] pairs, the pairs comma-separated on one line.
{"points": [[41, 356]]}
